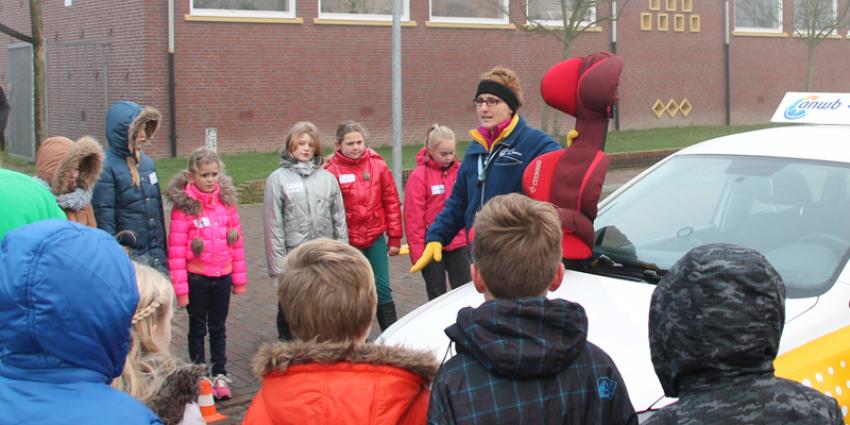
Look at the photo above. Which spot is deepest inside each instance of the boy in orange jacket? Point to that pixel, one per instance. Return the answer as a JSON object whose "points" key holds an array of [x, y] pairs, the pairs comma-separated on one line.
{"points": [[329, 374]]}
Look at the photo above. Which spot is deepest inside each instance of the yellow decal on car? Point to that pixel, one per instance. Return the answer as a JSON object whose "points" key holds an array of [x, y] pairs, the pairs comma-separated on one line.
{"points": [[822, 364]]}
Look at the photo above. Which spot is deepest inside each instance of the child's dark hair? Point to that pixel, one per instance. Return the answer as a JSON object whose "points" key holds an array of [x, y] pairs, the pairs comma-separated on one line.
{"points": [[437, 133], [203, 156], [349, 126]]}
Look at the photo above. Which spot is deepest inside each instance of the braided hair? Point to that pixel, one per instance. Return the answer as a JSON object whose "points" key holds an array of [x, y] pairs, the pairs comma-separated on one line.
{"points": [[147, 365]]}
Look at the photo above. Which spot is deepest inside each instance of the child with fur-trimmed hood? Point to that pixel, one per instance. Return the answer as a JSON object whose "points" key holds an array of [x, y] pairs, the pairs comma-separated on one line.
{"points": [[329, 374], [70, 170], [206, 256], [127, 199]]}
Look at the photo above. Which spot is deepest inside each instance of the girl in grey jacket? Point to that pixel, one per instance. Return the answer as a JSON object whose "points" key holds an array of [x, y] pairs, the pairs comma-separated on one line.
{"points": [[301, 202]]}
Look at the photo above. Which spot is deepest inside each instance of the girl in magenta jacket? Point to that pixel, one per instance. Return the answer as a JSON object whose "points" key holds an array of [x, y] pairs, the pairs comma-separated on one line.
{"points": [[428, 187], [206, 258], [372, 208]]}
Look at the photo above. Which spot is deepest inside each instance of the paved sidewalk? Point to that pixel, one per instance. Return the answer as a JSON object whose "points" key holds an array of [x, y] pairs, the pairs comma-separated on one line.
{"points": [[251, 321]]}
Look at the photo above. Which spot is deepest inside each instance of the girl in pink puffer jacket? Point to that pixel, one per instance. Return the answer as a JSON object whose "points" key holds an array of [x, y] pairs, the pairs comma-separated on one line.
{"points": [[206, 258]]}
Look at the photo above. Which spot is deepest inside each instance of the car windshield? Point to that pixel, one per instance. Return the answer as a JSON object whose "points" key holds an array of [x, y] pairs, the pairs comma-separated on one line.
{"points": [[795, 212]]}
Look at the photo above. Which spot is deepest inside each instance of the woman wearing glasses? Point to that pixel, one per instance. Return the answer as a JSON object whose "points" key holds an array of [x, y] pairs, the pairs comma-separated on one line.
{"points": [[502, 147]]}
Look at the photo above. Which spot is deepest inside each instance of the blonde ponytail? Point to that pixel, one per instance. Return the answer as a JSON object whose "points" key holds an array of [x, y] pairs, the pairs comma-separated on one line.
{"points": [[134, 171]]}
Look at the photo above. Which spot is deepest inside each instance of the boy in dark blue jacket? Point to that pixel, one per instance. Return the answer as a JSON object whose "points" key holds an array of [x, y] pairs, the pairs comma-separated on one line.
{"points": [[522, 358]]}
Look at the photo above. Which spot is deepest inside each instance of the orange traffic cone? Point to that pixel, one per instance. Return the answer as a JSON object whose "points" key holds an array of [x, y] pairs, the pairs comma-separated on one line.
{"points": [[207, 403]]}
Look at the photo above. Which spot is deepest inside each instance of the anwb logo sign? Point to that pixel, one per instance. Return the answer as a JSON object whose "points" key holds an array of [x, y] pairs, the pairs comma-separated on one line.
{"points": [[814, 108]]}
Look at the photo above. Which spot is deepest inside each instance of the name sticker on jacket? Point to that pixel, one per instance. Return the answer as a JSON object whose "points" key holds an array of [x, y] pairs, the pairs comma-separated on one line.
{"points": [[202, 222], [346, 178], [438, 189], [152, 178], [294, 187]]}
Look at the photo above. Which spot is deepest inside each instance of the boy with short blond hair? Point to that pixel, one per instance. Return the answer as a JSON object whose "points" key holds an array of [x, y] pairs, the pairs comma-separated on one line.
{"points": [[521, 357], [329, 289], [329, 374], [517, 228]]}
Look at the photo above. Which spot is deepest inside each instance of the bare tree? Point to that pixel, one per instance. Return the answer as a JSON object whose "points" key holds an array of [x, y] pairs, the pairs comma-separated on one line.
{"points": [[814, 21], [39, 83], [36, 25], [758, 13], [564, 20]]}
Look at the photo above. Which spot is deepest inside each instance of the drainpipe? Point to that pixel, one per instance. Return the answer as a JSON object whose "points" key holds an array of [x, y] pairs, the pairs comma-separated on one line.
{"points": [[727, 72], [616, 107], [172, 119]]}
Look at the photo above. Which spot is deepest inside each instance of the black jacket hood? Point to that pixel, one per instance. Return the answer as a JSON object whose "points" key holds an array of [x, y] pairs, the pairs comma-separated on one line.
{"points": [[716, 315], [529, 338]]}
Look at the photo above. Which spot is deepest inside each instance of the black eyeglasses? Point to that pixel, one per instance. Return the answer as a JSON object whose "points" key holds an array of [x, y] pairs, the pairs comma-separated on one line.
{"points": [[490, 101]]}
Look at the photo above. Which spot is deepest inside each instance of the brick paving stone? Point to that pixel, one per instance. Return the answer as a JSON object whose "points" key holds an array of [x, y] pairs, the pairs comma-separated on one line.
{"points": [[251, 320]]}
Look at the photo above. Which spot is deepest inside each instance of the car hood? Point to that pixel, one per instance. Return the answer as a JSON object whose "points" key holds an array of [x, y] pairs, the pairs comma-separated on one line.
{"points": [[617, 313]]}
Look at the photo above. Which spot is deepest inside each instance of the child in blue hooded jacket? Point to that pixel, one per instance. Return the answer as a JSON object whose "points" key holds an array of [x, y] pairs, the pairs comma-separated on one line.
{"points": [[127, 199], [67, 297]]}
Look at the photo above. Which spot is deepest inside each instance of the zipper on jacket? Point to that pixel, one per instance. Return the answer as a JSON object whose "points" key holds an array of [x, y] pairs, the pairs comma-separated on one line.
{"points": [[309, 207], [482, 172]]}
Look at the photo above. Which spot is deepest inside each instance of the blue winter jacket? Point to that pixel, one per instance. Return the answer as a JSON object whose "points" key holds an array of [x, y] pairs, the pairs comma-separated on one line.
{"points": [[67, 297], [119, 204], [483, 175]]}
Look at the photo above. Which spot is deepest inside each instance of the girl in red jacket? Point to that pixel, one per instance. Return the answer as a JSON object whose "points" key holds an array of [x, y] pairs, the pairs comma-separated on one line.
{"points": [[206, 258], [428, 187], [372, 208]]}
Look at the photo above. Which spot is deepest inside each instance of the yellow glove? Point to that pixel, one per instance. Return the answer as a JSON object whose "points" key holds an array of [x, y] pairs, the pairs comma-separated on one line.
{"points": [[433, 252]]}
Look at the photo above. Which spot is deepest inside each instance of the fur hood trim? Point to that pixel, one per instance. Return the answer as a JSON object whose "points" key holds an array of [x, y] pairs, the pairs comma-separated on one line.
{"points": [[59, 155], [148, 119], [179, 389], [181, 200], [87, 154], [74, 200], [277, 357]]}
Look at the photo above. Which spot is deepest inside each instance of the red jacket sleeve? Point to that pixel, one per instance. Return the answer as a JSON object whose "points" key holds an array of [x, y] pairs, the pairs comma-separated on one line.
{"points": [[392, 207], [414, 213]]}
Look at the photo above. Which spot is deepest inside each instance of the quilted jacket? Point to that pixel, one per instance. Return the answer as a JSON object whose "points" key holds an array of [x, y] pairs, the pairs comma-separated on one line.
{"points": [[372, 205]]}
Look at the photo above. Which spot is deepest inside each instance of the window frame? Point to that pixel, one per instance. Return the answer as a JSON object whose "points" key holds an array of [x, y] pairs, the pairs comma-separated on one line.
{"points": [[405, 14], [235, 13], [465, 20], [772, 30], [559, 24]]}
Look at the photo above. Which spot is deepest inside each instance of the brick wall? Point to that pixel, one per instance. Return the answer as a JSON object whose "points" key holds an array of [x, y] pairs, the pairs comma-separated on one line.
{"points": [[252, 81], [95, 55]]}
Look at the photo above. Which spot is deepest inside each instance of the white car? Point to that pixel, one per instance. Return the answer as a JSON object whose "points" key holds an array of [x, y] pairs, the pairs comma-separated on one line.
{"points": [[784, 191]]}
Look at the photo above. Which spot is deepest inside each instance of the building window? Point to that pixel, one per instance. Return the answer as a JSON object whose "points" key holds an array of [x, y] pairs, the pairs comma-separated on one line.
{"points": [[758, 15], [244, 8], [679, 22], [815, 16], [548, 12], [663, 22], [470, 11], [378, 10]]}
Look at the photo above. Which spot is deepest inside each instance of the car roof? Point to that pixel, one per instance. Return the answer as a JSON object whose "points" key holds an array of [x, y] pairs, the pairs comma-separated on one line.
{"points": [[815, 142]]}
